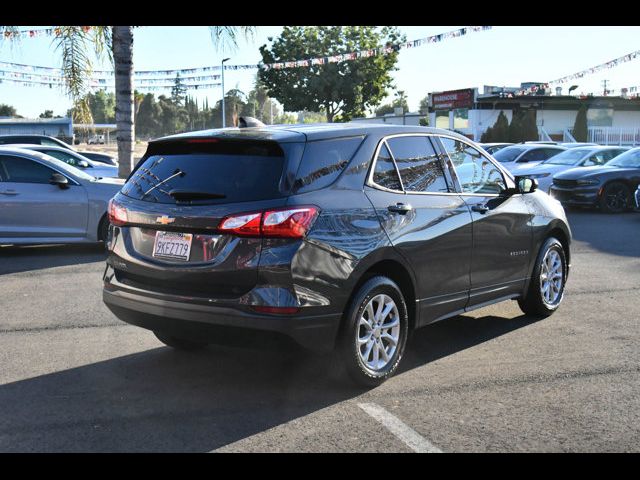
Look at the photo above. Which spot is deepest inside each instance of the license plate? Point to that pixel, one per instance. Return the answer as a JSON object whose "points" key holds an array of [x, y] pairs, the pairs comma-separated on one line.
{"points": [[172, 245]]}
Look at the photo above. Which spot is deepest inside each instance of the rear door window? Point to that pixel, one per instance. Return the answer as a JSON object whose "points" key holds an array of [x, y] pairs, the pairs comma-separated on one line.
{"points": [[211, 172], [420, 168], [323, 162]]}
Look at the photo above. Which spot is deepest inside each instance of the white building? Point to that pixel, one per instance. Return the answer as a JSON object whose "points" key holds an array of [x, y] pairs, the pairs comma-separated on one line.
{"points": [[611, 120]]}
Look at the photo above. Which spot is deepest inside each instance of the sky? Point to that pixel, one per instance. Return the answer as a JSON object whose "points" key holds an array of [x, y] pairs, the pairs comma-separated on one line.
{"points": [[502, 56]]}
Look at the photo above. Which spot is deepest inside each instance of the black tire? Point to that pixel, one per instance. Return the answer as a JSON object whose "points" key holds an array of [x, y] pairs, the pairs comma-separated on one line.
{"points": [[179, 343], [616, 198], [534, 303], [103, 229], [349, 349]]}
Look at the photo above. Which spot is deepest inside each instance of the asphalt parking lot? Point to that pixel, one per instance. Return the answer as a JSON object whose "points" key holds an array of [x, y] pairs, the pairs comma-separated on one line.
{"points": [[74, 378]]}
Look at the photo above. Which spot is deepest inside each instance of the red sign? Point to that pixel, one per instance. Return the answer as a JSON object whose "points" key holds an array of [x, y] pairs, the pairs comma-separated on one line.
{"points": [[453, 99]]}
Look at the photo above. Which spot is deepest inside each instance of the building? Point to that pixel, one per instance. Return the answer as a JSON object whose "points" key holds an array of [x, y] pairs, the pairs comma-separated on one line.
{"points": [[61, 128], [611, 120]]}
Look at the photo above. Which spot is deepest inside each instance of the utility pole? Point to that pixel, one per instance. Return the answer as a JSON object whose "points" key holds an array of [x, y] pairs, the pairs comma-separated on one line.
{"points": [[604, 83], [222, 74]]}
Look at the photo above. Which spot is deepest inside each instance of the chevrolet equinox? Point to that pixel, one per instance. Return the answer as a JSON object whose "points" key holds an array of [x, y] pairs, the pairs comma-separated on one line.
{"points": [[341, 236]]}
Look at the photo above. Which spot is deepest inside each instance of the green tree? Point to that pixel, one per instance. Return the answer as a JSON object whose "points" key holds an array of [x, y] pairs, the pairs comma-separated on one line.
{"points": [[341, 90], [7, 111], [399, 101], [46, 114], [499, 132], [102, 106], [178, 92], [75, 43], [488, 136], [311, 117], [515, 128], [529, 127], [149, 118], [580, 128]]}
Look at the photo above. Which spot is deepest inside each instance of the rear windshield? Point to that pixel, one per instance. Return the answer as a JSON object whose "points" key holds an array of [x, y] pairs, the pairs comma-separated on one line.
{"points": [[208, 174]]}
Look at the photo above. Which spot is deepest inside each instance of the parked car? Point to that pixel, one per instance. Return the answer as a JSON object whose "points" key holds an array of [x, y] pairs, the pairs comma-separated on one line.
{"points": [[492, 148], [45, 200], [338, 235], [578, 144], [74, 159], [34, 139], [575, 157], [609, 186], [100, 157], [526, 153], [96, 140], [54, 142]]}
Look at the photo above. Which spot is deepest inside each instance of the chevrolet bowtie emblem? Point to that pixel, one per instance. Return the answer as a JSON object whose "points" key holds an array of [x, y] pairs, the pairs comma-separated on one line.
{"points": [[164, 220]]}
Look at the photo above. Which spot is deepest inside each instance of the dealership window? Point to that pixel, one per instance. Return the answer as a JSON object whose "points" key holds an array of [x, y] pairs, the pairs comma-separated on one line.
{"points": [[442, 118], [461, 118], [600, 117]]}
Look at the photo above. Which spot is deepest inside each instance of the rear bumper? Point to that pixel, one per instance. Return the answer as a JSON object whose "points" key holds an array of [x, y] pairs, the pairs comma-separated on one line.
{"points": [[213, 323]]}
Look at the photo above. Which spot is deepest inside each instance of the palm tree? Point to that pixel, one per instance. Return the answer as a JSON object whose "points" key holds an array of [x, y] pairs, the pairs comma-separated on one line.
{"points": [[116, 42]]}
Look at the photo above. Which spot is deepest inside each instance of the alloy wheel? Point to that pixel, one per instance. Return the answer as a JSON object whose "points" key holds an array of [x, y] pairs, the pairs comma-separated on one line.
{"points": [[551, 277], [378, 332]]}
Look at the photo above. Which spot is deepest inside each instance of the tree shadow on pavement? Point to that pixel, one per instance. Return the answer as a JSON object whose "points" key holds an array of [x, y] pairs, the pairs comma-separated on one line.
{"points": [[165, 400], [15, 259]]}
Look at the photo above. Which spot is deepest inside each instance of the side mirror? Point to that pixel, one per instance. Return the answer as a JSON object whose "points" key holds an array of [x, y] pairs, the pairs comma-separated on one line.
{"points": [[83, 164], [527, 185], [60, 180]]}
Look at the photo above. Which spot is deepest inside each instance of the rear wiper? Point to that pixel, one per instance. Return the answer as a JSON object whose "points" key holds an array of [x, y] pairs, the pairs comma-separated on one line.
{"points": [[176, 173], [186, 195]]}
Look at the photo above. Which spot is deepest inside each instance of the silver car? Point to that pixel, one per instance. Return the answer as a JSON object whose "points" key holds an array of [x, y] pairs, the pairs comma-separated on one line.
{"points": [[575, 157], [75, 159], [44, 200], [526, 154]]}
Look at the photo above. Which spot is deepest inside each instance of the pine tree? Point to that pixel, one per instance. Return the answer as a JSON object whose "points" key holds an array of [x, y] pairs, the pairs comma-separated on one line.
{"points": [[487, 136], [580, 129], [515, 128], [529, 127]]}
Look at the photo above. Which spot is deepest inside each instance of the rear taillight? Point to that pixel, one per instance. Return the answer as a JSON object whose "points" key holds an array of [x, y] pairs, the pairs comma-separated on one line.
{"points": [[281, 223], [247, 224], [117, 213], [289, 223]]}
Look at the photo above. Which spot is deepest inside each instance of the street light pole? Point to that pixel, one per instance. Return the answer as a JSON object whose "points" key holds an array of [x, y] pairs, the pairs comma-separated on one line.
{"points": [[222, 74]]}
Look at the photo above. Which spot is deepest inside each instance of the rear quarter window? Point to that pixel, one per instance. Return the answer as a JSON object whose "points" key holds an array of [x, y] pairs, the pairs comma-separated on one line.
{"points": [[323, 161]]}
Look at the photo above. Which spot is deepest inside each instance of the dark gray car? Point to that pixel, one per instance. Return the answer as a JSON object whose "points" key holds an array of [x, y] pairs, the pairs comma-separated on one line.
{"points": [[344, 236], [609, 186]]}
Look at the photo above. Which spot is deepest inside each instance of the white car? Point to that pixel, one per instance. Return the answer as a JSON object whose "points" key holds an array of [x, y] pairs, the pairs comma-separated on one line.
{"points": [[96, 139], [75, 159], [526, 154], [575, 157]]}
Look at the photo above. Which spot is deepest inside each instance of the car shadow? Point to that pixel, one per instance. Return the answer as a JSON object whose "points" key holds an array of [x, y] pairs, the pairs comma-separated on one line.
{"points": [[165, 400], [610, 233], [24, 258]]}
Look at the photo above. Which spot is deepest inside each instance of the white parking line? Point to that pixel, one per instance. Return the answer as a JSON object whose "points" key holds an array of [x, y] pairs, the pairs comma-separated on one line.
{"points": [[408, 435]]}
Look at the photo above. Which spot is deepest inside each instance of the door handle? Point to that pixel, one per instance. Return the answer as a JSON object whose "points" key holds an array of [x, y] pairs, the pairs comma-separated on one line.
{"points": [[400, 208], [480, 208], [8, 192]]}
